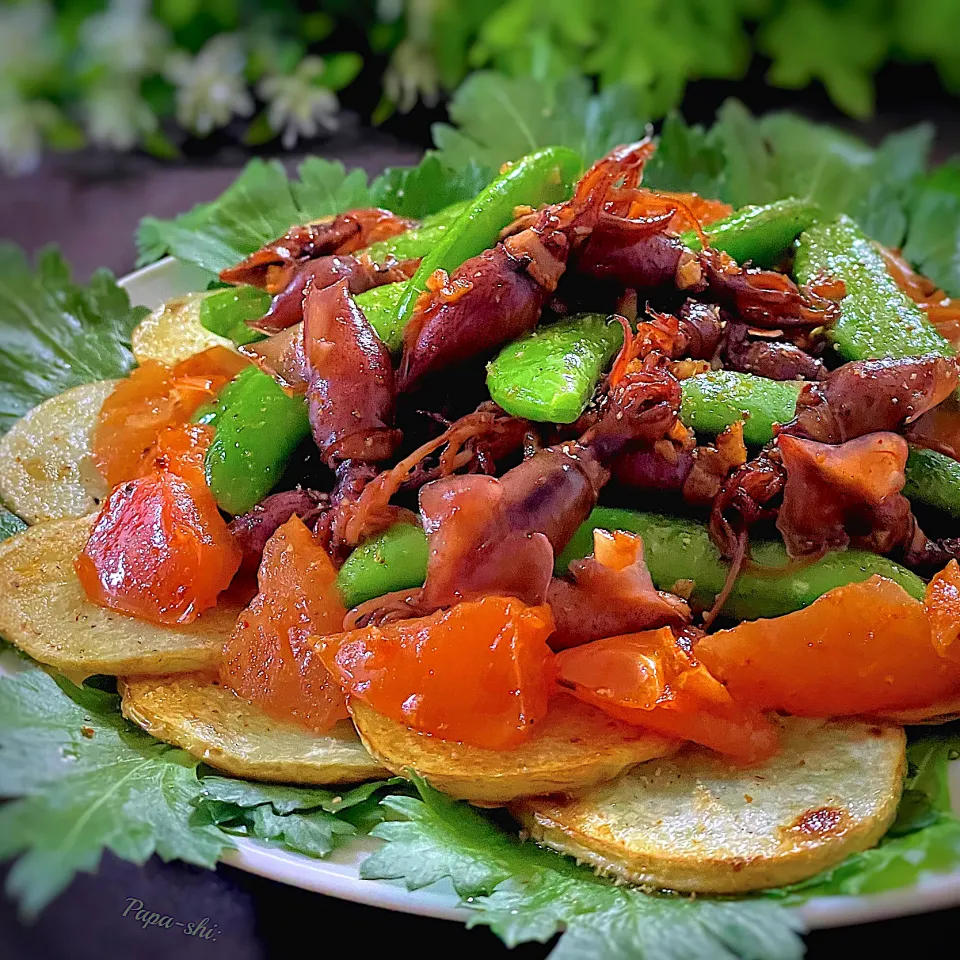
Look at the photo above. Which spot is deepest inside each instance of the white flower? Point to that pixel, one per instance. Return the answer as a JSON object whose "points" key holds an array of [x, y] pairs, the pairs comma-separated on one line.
{"points": [[28, 43], [117, 116], [211, 88], [124, 37], [22, 123], [411, 76], [297, 104]]}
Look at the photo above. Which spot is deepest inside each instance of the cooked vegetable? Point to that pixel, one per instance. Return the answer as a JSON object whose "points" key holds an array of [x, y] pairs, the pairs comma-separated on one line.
{"points": [[861, 648], [226, 732], [413, 671], [933, 479], [47, 470], [545, 176], [159, 549], [575, 746], [550, 374], [877, 319], [267, 659], [714, 401], [762, 235], [381, 308], [649, 679], [173, 332], [394, 560], [45, 612], [678, 550], [696, 823], [258, 427], [419, 240], [227, 312]]}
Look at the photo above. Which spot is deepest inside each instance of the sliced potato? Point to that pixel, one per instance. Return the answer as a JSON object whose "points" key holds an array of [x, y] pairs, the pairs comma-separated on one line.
{"points": [[173, 332], [576, 746], [694, 823], [214, 724], [45, 612], [46, 467], [944, 712]]}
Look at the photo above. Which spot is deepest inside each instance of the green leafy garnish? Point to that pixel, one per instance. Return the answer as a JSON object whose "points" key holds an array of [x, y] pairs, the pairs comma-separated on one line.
{"points": [[56, 334], [88, 781], [524, 893]]}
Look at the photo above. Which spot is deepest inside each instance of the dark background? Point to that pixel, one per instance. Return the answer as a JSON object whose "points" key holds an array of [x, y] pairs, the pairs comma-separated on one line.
{"points": [[90, 205]]}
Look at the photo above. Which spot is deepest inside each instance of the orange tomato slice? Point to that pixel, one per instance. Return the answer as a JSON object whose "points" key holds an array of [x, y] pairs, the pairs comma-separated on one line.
{"points": [[479, 673], [181, 450], [861, 648], [650, 680], [151, 398], [942, 606], [267, 660], [159, 550]]}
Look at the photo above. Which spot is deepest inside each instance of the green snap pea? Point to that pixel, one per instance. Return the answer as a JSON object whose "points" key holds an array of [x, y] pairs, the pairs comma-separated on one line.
{"points": [[714, 401], [933, 479], [226, 312], [760, 234], [395, 560], [257, 427], [877, 319], [546, 176], [379, 306], [10, 524], [551, 374], [418, 241], [678, 549]]}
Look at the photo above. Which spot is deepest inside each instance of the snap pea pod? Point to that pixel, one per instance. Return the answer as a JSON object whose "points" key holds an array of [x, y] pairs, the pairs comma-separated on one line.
{"points": [[226, 312], [714, 401], [678, 549], [675, 549], [256, 428], [379, 306], [877, 319], [418, 241], [933, 479], [761, 234], [551, 374], [395, 560], [546, 176]]}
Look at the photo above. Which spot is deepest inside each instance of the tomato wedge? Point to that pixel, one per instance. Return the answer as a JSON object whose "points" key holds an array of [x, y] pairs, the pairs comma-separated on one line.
{"points": [[942, 606], [267, 660], [861, 648], [649, 679], [151, 398], [479, 673], [159, 550]]}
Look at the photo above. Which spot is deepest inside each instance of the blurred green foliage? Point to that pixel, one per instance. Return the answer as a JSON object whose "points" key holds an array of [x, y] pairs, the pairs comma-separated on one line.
{"points": [[148, 74]]}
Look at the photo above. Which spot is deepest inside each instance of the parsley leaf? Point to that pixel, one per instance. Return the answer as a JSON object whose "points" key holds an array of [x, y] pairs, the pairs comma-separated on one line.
{"points": [[54, 333], [259, 206], [308, 820], [87, 781], [525, 893]]}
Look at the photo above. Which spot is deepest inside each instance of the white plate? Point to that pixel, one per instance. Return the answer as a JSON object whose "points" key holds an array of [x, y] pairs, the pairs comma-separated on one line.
{"points": [[338, 876]]}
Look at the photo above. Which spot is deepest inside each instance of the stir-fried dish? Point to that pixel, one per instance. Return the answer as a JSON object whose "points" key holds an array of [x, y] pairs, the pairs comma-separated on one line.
{"points": [[566, 496]]}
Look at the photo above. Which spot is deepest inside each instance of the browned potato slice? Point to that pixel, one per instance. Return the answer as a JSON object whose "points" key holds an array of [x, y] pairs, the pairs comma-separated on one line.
{"points": [[214, 724], [44, 611], [46, 468], [576, 746], [943, 712], [173, 332], [695, 823]]}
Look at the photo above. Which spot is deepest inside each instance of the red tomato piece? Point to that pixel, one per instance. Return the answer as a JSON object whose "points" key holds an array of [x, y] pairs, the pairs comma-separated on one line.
{"points": [[159, 550], [942, 606], [267, 660], [862, 648], [180, 450], [479, 673], [650, 680]]}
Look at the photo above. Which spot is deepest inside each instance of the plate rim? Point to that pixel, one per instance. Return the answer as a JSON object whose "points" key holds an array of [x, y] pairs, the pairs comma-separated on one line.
{"points": [[338, 875]]}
